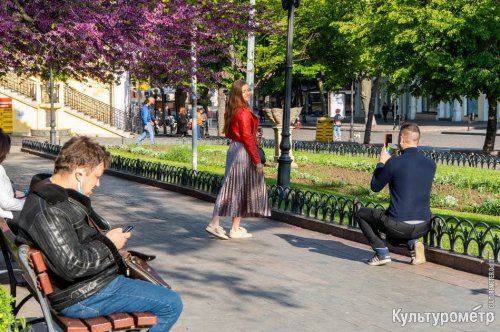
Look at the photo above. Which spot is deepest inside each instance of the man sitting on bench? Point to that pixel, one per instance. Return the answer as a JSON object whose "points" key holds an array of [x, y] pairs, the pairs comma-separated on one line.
{"points": [[85, 265], [410, 177]]}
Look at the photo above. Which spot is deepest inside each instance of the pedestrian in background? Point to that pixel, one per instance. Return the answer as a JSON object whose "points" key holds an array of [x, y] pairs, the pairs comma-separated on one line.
{"points": [[147, 122], [337, 125], [243, 192], [385, 110], [183, 121], [201, 120]]}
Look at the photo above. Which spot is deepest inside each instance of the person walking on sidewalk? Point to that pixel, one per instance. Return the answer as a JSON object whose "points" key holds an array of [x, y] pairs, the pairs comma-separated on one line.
{"points": [[337, 125], [86, 266], [243, 192], [147, 122], [410, 176], [385, 110]]}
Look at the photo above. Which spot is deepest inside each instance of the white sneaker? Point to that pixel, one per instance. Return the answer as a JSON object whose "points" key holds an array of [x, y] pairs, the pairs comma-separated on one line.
{"points": [[217, 231], [241, 233]]}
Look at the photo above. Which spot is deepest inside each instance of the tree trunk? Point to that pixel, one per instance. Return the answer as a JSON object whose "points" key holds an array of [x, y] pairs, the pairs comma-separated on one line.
{"points": [[180, 99], [366, 93], [491, 127], [370, 121], [375, 104], [221, 109]]}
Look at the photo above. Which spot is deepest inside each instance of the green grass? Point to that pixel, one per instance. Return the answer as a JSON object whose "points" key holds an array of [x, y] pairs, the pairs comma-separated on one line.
{"points": [[212, 158]]}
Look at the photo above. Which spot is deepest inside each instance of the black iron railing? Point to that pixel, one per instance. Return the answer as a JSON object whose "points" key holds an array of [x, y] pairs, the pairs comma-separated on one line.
{"points": [[97, 109], [76, 100], [456, 235], [20, 84], [453, 158]]}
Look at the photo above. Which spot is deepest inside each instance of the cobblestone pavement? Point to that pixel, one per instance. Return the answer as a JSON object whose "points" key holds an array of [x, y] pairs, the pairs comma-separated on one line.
{"points": [[284, 279]]}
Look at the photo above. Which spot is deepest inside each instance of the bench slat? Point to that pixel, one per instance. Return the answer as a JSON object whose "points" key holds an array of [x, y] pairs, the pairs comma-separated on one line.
{"points": [[38, 261], [44, 283], [121, 320], [98, 324], [144, 319], [71, 324]]}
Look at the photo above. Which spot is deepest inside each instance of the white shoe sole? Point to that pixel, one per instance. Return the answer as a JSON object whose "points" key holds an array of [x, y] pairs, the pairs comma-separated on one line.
{"points": [[217, 235]]}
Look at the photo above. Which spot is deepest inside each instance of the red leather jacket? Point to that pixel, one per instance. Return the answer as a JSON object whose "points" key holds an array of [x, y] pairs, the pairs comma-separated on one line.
{"points": [[244, 130]]}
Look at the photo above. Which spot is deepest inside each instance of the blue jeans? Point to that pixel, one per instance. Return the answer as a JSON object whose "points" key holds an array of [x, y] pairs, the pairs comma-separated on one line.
{"points": [[147, 131], [130, 295], [201, 131], [337, 133]]}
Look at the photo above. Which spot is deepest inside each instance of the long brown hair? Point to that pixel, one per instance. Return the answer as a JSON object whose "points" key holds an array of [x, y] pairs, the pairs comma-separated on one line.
{"points": [[234, 103]]}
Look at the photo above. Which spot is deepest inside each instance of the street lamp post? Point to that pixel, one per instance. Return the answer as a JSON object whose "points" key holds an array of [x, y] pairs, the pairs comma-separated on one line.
{"points": [[351, 128], [284, 161], [52, 135]]}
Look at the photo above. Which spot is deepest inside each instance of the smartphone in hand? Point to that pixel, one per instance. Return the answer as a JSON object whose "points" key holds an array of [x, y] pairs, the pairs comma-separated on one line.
{"points": [[387, 139], [389, 147]]}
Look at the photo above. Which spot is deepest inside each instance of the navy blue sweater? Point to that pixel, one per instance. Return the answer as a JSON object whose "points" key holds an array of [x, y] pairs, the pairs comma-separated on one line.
{"points": [[410, 177]]}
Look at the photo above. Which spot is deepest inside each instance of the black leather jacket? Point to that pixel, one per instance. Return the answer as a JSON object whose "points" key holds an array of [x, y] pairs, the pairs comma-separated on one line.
{"points": [[81, 260]]}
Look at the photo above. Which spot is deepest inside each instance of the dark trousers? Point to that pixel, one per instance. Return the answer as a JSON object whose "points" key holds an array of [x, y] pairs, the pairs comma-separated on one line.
{"points": [[373, 221]]}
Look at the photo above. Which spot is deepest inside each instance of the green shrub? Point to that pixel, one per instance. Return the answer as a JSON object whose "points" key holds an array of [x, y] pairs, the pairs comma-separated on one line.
{"points": [[7, 318], [179, 153], [337, 184], [443, 201], [490, 206], [140, 150], [359, 191], [468, 181]]}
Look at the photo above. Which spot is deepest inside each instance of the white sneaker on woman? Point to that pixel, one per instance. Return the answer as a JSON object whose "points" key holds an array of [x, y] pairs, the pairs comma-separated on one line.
{"points": [[217, 231], [240, 233]]}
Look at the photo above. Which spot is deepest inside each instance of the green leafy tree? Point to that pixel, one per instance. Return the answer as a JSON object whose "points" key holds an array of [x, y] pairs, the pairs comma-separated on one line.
{"points": [[328, 40], [444, 49]]}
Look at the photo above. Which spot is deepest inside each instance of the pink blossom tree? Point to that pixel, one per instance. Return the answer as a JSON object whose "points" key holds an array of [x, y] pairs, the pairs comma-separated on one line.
{"points": [[99, 38]]}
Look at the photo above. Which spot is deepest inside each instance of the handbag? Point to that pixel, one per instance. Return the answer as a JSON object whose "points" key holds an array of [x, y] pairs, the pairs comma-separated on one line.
{"points": [[262, 154], [137, 267]]}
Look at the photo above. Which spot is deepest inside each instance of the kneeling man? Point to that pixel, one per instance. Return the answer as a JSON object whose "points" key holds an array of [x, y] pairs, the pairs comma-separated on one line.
{"points": [[410, 177]]}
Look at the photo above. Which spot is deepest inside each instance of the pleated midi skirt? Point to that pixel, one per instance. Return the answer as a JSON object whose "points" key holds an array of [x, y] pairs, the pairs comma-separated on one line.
{"points": [[243, 192]]}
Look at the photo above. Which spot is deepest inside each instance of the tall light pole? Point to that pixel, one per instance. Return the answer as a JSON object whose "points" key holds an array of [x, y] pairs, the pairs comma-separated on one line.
{"points": [[250, 57], [194, 102], [351, 128], [284, 161], [52, 134]]}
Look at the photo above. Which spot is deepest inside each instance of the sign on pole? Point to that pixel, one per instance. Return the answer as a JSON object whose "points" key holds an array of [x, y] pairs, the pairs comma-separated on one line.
{"points": [[6, 115]]}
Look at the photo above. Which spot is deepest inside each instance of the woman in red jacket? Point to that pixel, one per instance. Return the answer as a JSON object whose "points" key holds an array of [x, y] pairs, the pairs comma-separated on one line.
{"points": [[243, 192]]}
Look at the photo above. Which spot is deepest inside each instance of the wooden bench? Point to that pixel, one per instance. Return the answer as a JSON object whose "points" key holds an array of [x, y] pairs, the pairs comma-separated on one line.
{"points": [[38, 282]]}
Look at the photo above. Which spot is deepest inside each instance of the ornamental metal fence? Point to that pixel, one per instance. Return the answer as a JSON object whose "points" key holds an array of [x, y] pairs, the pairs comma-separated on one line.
{"points": [[453, 234], [452, 158]]}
